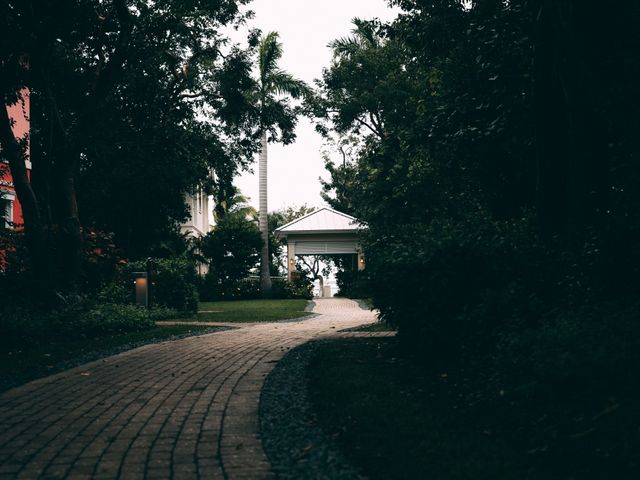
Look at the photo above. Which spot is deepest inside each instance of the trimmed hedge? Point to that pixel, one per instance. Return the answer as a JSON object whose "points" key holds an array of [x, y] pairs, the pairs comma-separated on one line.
{"points": [[248, 289]]}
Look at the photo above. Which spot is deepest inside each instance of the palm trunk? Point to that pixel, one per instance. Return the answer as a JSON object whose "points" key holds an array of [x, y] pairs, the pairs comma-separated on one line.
{"points": [[265, 274]]}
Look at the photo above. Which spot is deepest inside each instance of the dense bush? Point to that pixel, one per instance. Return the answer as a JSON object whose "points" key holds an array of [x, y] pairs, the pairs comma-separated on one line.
{"points": [[352, 283], [99, 259], [174, 283], [77, 318], [103, 319], [503, 248], [232, 250], [299, 288], [213, 289], [450, 285], [14, 269]]}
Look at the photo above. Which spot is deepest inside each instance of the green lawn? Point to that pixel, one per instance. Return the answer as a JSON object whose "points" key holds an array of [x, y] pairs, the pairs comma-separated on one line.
{"points": [[252, 310], [21, 362], [394, 420]]}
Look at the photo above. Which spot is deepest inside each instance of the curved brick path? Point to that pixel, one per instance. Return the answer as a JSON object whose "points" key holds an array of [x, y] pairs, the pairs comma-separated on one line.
{"points": [[183, 409]]}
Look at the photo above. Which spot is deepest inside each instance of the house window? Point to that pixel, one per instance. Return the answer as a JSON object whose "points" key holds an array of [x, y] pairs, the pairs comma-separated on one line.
{"points": [[6, 212]]}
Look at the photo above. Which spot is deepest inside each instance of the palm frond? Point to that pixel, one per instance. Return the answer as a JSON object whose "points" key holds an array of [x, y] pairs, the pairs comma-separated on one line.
{"points": [[283, 83], [269, 53], [364, 35], [344, 46], [366, 31]]}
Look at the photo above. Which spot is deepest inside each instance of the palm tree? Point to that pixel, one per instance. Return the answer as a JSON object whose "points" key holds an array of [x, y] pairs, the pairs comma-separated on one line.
{"points": [[273, 88], [363, 36], [234, 202]]}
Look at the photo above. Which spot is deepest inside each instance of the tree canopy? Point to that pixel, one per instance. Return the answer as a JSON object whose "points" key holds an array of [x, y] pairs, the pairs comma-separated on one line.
{"points": [[488, 146], [134, 105], [480, 127]]}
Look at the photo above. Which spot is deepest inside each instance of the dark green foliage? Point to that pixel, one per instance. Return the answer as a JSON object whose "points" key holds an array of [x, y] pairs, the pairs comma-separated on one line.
{"points": [[351, 282], [134, 105], [232, 251], [446, 169], [13, 265], [491, 159], [457, 422], [461, 283], [249, 289], [382, 410], [300, 288], [106, 319], [78, 318], [173, 282], [159, 146], [99, 260]]}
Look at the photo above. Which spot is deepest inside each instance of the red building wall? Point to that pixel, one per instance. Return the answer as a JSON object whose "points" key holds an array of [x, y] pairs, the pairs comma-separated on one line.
{"points": [[20, 114]]}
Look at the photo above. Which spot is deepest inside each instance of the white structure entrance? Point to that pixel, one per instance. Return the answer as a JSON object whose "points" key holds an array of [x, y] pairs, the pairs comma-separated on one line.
{"points": [[322, 232]]}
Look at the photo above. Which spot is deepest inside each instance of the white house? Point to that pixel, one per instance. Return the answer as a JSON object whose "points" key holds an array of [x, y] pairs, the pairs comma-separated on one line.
{"points": [[199, 222]]}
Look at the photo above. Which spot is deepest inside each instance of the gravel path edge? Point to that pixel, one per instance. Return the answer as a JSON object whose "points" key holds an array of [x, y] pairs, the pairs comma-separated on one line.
{"points": [[292, 438]]}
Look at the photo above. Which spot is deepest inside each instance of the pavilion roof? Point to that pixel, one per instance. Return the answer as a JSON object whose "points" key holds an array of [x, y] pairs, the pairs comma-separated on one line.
{"points": [[322, 220]]}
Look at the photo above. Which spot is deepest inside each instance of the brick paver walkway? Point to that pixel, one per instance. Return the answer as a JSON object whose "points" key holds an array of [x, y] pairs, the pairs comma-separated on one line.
{"points": [[182, 409]]}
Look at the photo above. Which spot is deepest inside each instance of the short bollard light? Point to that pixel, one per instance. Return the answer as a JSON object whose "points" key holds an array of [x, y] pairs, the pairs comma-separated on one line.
{"points": [[142, 288]]}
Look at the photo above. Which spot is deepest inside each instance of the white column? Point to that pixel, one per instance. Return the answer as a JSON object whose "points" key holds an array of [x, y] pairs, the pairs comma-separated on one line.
{"points": [[291, 259]]}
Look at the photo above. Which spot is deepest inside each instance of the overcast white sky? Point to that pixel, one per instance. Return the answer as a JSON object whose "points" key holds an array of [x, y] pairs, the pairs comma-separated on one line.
{"points": [[305, 29]]}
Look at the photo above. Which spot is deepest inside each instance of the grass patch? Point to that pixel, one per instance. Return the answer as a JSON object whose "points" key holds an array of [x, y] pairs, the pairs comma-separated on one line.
{"points": [[251, 311], [394, 419], [21, 362]]}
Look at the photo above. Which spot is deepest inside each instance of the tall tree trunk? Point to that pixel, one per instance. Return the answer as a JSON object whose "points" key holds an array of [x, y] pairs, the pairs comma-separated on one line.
{"points": [[265, 274], [66, 160], [35, 229], [71, 232]]}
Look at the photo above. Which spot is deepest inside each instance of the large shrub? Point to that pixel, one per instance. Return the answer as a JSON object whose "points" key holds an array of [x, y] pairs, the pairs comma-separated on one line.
{"points": [[16, 283], [232, 250], [352, 283], [249, 289], [174, 283], [299, 288], [449, 285], [77, 317]]}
